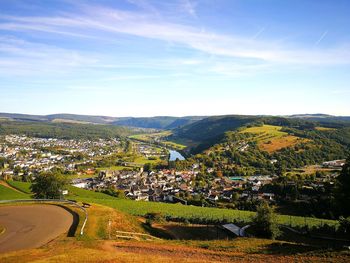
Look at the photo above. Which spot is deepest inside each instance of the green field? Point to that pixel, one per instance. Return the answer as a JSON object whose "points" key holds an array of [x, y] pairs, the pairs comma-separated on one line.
{"points": [[114, 168], [21, 186], [270, 138], [9, 194], [185, 212], [265, 132], [175, 211], [82, 194], [144, 160], [150, 137]]}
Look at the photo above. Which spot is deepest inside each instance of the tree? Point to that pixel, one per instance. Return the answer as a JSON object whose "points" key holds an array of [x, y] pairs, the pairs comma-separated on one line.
{"points": [[264, 222], [2, 162], [343, 189], [344, 225], [48, 186], [147, 167]]}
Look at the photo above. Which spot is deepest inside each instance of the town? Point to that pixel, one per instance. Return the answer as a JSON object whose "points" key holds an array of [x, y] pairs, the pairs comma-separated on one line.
{"points": [[139, 171]]}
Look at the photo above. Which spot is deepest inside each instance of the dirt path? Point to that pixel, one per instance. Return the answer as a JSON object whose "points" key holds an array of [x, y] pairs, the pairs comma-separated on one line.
{"points": [[32, 226]]}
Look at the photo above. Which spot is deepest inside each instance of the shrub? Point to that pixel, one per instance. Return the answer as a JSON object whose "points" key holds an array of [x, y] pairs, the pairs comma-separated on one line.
{"points": [[153, 217], [344, 225], [264, 222]]}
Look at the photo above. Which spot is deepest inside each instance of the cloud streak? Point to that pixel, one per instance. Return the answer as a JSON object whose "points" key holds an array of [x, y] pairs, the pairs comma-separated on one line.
{"points": [[98, 23], [321, 38]]}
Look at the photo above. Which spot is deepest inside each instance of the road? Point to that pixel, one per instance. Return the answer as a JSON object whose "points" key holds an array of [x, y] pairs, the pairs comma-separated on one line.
{"points": [[31, 226]]}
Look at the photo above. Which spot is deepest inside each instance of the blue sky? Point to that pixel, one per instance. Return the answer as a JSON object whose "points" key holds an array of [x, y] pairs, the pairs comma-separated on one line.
{"points": [[176, 57]]}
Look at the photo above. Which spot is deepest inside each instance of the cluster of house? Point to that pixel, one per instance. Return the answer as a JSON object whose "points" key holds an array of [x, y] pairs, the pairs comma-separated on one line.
{"points": [[178, 186], [28, 155], [175, 186], [148, 150], [334, 164]]}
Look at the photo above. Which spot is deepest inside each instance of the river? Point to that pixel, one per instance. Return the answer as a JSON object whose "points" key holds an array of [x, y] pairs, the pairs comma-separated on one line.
{"points": [[175, 155]]}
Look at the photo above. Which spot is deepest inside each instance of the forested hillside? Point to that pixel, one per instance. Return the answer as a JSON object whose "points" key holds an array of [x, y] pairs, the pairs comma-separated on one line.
{"points": [[273, 149], [161, 122], [158, 122], [62, 130], [209, 131]]}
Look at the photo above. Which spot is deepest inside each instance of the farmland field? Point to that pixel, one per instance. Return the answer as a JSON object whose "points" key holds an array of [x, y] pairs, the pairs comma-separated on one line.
{"points": [[270, 138], [174, 211], [152, 137], [114, 168], [193, 213], [324, 129]]}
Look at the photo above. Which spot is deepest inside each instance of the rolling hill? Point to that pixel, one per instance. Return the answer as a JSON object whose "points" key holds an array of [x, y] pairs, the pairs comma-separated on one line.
{"points": [[62, 130], [209, 131], [157, 122]]}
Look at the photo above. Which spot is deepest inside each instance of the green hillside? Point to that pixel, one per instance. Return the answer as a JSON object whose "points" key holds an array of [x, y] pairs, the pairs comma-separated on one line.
{"points": [[62, 130], [172, 211], [161, 122], [9, 194], [158, 122]]}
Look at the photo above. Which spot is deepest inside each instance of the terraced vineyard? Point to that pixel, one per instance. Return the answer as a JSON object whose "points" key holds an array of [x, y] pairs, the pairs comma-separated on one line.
{"points": [[270, 138], [201, 214], [172, 211]]}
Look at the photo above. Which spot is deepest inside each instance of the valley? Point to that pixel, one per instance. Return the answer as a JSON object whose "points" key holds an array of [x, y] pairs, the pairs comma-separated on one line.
{"points": [[153, 194]]}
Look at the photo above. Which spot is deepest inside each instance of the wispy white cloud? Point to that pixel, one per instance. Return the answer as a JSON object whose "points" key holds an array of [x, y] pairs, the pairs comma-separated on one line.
{"points": [[259, 33], [189, 7], [321, 37], [20, 57], [101, 20], [105, 24]]}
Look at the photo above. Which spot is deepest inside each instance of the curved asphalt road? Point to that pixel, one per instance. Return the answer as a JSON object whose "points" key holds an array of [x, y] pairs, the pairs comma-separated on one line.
{"points": [[31, 226]]}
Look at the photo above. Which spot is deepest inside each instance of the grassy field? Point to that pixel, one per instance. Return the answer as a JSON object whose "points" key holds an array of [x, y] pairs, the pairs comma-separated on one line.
{"points": [[21, 186], [114, 168], [9, 194], [270, 138], [178, 211], [82, 194], [144, 160], [310, 169], [174, 145], [324, 129], [94, 246], [203, 213], [175, 211], [104, 221], [151, 137]]}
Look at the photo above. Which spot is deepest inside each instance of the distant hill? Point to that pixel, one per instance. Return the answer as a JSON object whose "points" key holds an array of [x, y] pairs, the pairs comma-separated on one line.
{"points": [[195, 128], [324, 119], [158, 122], [266, 149], [211, 130], [212, 127], [62, 130]]}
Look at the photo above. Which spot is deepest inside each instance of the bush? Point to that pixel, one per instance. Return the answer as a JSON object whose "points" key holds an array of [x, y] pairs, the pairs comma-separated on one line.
{"points": [[264, 222], [344, 225], [153, 217]]}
